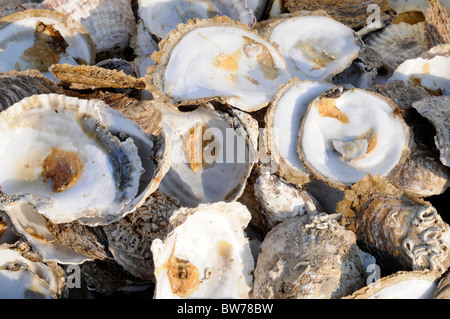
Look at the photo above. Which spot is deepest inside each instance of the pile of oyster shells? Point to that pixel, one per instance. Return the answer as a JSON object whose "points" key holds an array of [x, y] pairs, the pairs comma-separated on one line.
{"points": [[224, 149]]}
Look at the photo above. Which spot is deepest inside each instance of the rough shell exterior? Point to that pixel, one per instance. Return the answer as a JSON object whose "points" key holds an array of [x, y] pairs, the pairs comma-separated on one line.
{"points": [[402, 233], [437, 23], [308, 257], [443, 288], [280, 200], [110, 23], [398, 42], [437, 111], [352, 13], [15, 85], [130, 238]]}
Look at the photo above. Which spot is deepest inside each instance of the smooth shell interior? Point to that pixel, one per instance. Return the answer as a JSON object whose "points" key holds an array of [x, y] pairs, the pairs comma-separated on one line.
{"points": [[227, 62], [315, 47], [344, 138]]}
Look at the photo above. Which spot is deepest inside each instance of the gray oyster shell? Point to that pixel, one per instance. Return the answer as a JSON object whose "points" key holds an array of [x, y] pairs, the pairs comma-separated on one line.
{"points": [[308, 257]]}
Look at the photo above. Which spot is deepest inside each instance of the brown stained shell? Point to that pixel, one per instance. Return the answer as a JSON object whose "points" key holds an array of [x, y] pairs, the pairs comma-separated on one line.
{"points": [[395, 281], [437, 24], [443, 288], [93, 77], [397, 43], [403, 233], [436, 109], [353, 13], [16, 85], [308, 257], [129, 239]]}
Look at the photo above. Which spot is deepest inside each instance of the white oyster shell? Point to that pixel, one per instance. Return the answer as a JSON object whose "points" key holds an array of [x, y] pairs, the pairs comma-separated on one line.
{"points": [[347, 133], [206, 255], [36, 39], [110, 23], [219, 58], [212, 155], [283, 120], [162, 16], [22, 278], [315, 47], [433, 74], [401, 285], [93, 166]]}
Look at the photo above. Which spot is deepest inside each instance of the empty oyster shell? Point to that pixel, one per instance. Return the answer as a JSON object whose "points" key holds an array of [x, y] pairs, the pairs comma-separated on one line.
{"points": [[212, 154], [14, 86], [54, 172], [315, 46], [46, 37], [24, 278], [433, 74], [353, 13], [401, 285], [308, 257], [400, 232], [130, 238], [160, 17], [347, 133], [437, 111], [226, 60], [443, 288], [280, 200], [221, 264], [283, 119], [397, 43], [110, 23], [31, 227]]}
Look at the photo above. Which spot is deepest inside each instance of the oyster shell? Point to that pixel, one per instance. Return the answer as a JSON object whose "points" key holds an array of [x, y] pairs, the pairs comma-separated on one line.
{"points": [[409, 11], [280, 200], [442, 289], [15, 85], [283, 120], [56, 172], [212, 154], [221, 264], [397, 43], [258, 7], [315, 46], [402, 233], [347, 133], [401, 285], [31, 227], [25, 278], [433, 74], [110, 23], [353, 13], [130, 238], [160, 17], [36, 39], [226, 60], [436, 109], [308, 257]]}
